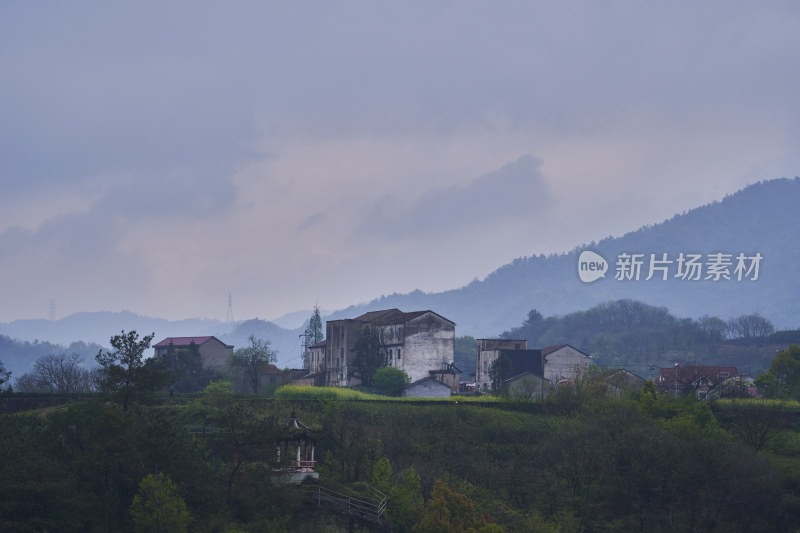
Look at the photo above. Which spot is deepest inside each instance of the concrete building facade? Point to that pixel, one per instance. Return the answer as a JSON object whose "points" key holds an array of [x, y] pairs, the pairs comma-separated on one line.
{"points": [[486, 353], [415, 342], [564, 362], [214, 352]]}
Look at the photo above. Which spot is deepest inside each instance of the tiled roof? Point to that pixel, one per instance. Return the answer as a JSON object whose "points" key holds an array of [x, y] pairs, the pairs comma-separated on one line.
{"points": [[269, 369], [182, 341], [397, 317], [393, 316], [691, 373], [372, 315], [551, 349]]}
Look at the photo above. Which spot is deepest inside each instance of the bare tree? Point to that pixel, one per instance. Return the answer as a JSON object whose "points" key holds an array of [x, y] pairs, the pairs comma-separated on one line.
{"points": [[58, 373], [750, 326], [253, 358]]}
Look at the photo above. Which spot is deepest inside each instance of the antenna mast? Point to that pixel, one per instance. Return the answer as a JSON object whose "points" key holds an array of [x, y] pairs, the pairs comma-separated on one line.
{"points": [[229, 316]]}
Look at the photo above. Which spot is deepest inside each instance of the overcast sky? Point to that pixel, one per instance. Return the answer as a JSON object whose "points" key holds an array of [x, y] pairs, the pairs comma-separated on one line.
{"points": [[157, 156]]}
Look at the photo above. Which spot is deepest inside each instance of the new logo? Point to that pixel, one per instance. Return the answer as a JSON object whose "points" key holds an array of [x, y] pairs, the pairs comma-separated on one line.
{"points": [[591, 266]]}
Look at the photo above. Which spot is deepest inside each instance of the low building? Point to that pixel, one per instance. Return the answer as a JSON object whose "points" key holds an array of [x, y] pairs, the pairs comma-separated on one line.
{"points": [[528, 386], [620, 380], [699, 380], [215, 353], [564, 362], [426, 388], [486, 353]]}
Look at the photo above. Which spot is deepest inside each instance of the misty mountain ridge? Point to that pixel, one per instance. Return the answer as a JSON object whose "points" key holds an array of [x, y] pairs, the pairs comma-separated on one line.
{"points": [[757, 219], [98, 327]]}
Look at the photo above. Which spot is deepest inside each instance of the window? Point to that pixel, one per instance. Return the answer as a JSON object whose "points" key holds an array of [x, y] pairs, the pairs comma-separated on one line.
{"points": [[390, 355], [341, 353], [485, 366], [398, 353], [516, 346]]}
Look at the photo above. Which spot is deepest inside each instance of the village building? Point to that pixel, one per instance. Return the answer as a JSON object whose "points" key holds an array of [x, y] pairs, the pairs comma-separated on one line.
{"points": [[690, 379], [428, 387], [416, 342], [564, 362], [215, 354], [554, 364], [620, 380], [528, 386], [486, 353]]}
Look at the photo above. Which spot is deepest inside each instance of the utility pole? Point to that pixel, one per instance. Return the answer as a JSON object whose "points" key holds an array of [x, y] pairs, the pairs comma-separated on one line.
{"points": [[304, 353], [229, 316]]}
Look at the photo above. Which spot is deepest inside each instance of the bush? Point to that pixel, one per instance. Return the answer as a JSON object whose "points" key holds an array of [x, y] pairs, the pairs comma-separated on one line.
{"points": [[390, 380]]}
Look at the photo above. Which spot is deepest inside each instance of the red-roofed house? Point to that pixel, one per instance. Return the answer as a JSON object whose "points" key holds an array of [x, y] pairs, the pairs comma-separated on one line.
{"points": [[214, 352], [416, 342], [679, 380]]}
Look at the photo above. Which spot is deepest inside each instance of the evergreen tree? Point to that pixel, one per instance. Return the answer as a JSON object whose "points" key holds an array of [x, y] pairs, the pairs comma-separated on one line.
{"points": [[126, 373], [369, 356], [157, 507], [314, 335]]}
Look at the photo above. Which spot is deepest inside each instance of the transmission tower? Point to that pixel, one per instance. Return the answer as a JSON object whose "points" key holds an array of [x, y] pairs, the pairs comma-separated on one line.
{"points": [[229, 316]]}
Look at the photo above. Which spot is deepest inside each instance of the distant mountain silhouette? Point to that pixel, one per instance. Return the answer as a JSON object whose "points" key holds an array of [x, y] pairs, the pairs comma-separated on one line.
{"points": [[761, 218], [99, 327]]}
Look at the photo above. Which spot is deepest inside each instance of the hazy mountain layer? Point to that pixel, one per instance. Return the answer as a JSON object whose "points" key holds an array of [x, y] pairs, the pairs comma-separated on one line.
{"points": [[758, 219]]}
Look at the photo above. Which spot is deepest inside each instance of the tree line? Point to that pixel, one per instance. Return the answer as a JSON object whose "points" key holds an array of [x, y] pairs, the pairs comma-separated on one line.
{"points": [[582, 460], [627, 332]]}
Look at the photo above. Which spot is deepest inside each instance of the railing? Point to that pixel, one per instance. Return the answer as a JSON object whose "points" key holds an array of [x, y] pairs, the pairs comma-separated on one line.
{"points": [[296, 466], [347, 504]]}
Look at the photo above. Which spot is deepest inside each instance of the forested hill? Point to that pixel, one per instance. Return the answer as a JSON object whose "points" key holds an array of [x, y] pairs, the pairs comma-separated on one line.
{"points": [[761, 218]]}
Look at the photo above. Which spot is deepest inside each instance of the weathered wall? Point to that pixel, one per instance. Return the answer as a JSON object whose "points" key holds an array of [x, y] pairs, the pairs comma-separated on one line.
{"points": [[216, 355], [429, 388], [565, 363], [429, 342], [484, 363], [316, 359], [486, 353]]}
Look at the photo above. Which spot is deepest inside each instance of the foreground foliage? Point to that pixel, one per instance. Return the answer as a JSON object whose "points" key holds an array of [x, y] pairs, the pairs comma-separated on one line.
{"points": [[591, 462]]}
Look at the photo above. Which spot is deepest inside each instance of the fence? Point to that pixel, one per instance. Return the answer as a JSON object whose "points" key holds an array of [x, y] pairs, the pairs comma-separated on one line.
{"points": [[343, 503]]}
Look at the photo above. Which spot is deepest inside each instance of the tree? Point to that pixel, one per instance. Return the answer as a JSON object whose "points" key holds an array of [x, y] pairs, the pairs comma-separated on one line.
{"points": [[5, 375], [157, 507], [784, 371], [369, 356], [125, 373], [712, 327], [500, 369], [313, 334], [750, 326], [448, 511], [186, 367], [57, 373], [253, 358], [390, 380]]}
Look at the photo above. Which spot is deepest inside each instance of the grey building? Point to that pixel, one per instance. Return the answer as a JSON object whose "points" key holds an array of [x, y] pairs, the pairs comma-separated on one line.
{"points": [[214, 352], [415, 342]]}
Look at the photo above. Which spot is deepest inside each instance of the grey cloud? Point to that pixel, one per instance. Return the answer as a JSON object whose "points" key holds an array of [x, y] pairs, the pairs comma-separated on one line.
{"points": [[312, 220], [515, 190]]}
